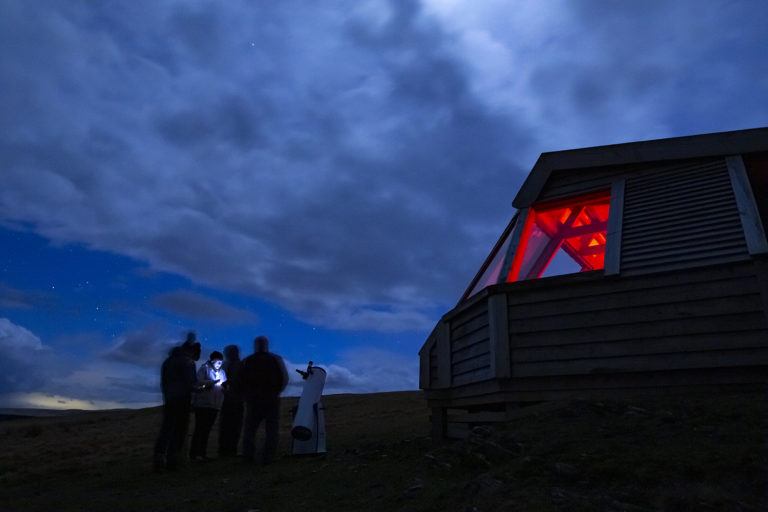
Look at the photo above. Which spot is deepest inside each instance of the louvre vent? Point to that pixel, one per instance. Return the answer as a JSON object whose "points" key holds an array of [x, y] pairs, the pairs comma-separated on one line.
{"points": [[680, 216]]}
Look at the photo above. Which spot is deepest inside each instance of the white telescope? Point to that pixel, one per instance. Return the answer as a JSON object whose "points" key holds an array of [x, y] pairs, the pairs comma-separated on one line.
{"points": [[308, 429]]}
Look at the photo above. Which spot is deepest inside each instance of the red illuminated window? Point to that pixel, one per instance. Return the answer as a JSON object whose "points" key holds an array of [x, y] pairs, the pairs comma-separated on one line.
{"points": [[562, 237]]}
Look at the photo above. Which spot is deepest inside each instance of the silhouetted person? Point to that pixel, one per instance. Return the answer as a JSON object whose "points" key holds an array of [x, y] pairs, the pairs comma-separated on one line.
{"points": [[178, 381], [263, 377], [231, 415], [207, 404]]}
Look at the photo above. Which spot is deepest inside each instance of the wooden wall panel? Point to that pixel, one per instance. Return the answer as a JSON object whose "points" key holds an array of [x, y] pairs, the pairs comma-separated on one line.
{"points": [[470, 345], [479, 362], [655, 362], [678, 320], [589, 284], [470, 319], [684, 312], [721, 324], [459, 341], [472, 376], [658, 294], [673, 344]]}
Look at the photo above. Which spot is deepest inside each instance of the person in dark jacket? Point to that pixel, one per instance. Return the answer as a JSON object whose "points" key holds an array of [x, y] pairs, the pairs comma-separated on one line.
{"points": [[231, 419], [178, 381], [262, 378]]}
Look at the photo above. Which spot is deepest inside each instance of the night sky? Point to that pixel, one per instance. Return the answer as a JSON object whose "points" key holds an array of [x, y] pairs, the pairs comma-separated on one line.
{"points": [[328, 174]]}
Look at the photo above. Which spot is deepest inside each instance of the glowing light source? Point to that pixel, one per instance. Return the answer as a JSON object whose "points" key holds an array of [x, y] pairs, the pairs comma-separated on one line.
{"points": [[576, 226], [558, 237], [598, 239]]}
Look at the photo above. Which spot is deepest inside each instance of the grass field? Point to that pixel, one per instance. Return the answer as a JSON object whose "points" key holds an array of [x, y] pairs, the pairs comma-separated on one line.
{"points": [[663, 454]]}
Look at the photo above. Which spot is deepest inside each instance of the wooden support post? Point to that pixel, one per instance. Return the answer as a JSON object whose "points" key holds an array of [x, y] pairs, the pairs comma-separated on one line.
{"points": [[424, 363], [745, 200], [439, 424], [615, 221], [761, 267], [501, 367], [443, 334]]}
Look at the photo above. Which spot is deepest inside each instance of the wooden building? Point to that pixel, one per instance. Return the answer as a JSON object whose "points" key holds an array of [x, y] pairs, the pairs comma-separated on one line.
{"points": [[627, 268]]}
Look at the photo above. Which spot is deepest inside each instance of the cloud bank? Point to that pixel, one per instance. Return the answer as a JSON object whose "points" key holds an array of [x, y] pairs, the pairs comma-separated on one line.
{"points": [[324, 162], [351, 164], [126, 374]]}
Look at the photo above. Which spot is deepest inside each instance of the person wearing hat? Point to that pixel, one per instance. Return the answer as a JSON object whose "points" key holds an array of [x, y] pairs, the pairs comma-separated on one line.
{"points": [[207, 403]]}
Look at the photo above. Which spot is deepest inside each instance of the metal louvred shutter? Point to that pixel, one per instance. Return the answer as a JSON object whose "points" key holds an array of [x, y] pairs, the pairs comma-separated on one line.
{"points": [[680, 216]]}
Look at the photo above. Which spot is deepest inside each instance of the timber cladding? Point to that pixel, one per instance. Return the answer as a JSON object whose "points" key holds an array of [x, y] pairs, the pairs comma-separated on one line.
{"points": [[698, 318], [470, 345]]}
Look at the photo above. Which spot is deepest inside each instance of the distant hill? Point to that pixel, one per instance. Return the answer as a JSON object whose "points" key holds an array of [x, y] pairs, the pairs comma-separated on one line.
{"points": [[21, 412]]}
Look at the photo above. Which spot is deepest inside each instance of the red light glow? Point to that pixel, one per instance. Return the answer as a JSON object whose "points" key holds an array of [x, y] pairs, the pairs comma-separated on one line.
{"points": [[577, 226]]}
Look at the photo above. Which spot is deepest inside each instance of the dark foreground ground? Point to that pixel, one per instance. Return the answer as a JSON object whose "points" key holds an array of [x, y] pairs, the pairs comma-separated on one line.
{"points": [[670, 454]]}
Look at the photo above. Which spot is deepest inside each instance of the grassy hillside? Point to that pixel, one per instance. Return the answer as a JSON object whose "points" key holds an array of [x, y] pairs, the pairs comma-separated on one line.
{"points": [[705, 453]]}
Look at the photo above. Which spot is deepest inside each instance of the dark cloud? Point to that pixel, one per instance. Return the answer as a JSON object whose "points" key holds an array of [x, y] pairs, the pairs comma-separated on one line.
{"points": [[140, 388], [199, 307], [127, 372], [199, 29], [45, 374], [26, 363], [12, 298], [186, 129], [331, 178], [371, 371], [143, 348], [351, 164], [361, 370], [229, 120], [630, 71]]}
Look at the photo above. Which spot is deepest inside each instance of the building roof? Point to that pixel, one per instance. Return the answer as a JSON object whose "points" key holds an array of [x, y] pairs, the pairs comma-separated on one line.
{"points": [[693, 146]]}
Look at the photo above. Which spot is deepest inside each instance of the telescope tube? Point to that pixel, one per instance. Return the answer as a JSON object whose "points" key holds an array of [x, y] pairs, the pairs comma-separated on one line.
{"points": [[305, 421]]}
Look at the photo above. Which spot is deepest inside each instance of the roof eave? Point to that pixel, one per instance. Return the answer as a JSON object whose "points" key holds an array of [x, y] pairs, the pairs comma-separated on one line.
{"points": [[691, 146]]}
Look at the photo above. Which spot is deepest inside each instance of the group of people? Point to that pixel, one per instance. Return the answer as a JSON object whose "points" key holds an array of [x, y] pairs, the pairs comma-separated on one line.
{"points": [[241, 394]]}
